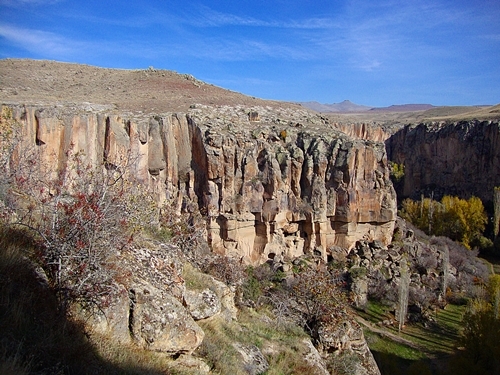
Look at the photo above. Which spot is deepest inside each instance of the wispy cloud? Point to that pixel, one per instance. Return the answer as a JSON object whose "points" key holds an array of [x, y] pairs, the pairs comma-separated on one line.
{"points": [[228, 49], [18, 3], [372, 37], [366, 37], [207, 17], [50, 45], [38, 41]]}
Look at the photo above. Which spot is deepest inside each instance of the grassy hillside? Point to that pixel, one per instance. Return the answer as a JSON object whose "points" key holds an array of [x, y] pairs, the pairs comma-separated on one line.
{"points": [[418, 348]]}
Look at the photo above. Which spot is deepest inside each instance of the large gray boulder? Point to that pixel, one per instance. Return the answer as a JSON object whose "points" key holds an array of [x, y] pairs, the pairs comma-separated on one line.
{"points": [[160, 322], [202, 304]]}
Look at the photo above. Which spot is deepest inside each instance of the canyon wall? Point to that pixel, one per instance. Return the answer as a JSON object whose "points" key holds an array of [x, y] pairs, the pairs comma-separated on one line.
{"points": [[363, 131], [269, 182], [461, 158]]}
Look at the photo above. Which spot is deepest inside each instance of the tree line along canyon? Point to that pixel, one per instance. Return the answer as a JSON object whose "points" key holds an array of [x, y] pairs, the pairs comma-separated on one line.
{"points": [[153, 223]]}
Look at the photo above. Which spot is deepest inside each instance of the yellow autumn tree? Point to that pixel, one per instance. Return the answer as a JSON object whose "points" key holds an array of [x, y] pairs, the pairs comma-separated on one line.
{"points": [[459, 219]]}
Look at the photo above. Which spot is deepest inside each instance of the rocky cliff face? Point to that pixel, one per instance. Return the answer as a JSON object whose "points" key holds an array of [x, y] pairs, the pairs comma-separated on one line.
{"points": [[459, 158], [269, 181], [364, 131]]}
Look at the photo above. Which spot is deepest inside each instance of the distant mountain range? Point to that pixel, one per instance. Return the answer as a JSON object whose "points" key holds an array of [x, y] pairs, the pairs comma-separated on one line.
{"points": [[349, 107]]}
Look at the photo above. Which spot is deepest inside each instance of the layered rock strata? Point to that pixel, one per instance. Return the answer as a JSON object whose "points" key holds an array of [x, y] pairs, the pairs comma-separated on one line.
{"points": [[268, 181]]}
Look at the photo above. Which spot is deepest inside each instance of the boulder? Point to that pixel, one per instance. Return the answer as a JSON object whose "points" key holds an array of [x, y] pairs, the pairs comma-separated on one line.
{"points": [[202, 304], [159, 322], [254, 361], [345, 338]]}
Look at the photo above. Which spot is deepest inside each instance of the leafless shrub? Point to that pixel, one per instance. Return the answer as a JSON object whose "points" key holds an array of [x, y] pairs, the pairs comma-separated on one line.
{"points": [[427, 260], [81, 215], [421, 297], [462, 259], [187, 230], [225, 269], [379, 289]]}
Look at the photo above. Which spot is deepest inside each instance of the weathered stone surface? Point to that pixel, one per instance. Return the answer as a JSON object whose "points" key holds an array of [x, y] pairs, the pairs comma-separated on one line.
{"points": [[224, 294], [346, 338], [448, 158], [363, 131], [159, 322], [359, 288], [192, 365], [254, 361], [111, 320], [313, 358], [202, 304], [285, 189], [146, 308]]}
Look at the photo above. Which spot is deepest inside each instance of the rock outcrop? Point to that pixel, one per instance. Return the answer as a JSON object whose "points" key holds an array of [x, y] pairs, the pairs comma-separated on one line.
{"points": [[438, 269], [345, 340], [363, 130], [159, 322], [269, 182], [272, 180], [461, 158], [148, 310]]}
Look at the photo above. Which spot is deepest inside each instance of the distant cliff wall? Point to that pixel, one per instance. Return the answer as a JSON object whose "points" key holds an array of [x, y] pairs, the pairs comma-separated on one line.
{"points": [[268, 185], [364, 131], [461, 158]]}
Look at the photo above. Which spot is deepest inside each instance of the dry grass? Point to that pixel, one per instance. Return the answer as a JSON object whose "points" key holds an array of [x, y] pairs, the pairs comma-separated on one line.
{"points": [[282, 346], [36, 337], [194, 279]]}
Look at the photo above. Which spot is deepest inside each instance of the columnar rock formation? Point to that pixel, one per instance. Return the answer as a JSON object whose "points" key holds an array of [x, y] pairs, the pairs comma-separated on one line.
{"points": [[448, 158], [364, 131], [269, 182]]}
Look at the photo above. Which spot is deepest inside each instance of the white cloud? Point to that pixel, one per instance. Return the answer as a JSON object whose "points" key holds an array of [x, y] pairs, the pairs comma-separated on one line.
{"points": [[207, 17], [38, 41], [18, 3]]}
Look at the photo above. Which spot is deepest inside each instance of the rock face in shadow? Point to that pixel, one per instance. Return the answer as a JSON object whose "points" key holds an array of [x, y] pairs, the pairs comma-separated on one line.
{"points": [[461, 158], [269, 181]]}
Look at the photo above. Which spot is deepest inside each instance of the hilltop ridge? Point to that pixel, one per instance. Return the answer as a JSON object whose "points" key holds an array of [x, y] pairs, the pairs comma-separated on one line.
{"points": [[137, 90]]}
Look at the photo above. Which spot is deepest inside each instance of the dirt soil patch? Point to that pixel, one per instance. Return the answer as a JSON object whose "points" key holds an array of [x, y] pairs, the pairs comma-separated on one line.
{"points": [[145, 90]]}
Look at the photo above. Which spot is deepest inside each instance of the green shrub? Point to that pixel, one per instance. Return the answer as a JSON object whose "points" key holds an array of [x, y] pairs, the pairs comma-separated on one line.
{"points": [[397, 171], [252, 287], [357, 272]]}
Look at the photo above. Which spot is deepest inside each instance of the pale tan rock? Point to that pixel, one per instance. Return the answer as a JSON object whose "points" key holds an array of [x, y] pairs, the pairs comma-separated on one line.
{"points": [[202, 305], [159, 322], [254, 361], [225, 294], [347, 338], [313, 358], [109, 321], [289, 191], [192, 365]]}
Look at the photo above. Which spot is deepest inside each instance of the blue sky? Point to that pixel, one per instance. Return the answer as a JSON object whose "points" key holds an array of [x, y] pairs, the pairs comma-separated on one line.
{"points": [[374, 53]]}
